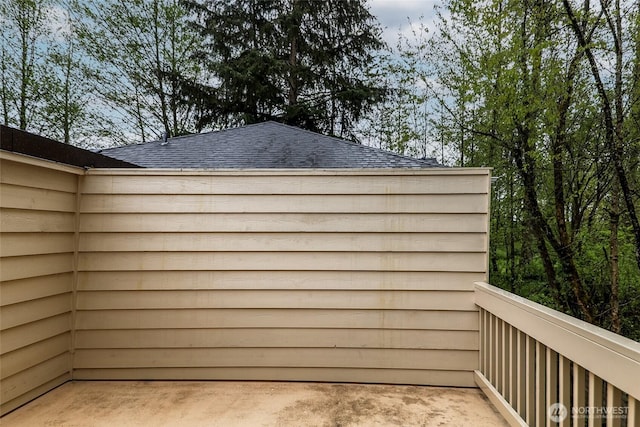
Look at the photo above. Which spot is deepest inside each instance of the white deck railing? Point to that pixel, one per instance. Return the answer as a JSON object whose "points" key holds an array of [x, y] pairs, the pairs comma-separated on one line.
{"points": [[541, 367]]}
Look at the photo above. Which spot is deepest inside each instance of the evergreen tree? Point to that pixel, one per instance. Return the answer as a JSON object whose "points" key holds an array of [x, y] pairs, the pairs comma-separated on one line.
{"points": [[296, 61]]}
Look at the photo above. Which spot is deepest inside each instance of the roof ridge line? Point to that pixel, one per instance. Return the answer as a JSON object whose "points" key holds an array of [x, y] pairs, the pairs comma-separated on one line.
{"points": [[269, 135], [380, 150]]}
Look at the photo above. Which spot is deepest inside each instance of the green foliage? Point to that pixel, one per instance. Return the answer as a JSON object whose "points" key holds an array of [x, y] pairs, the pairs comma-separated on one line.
{"points": [[515, 92], [501, 83], [44, 85]]}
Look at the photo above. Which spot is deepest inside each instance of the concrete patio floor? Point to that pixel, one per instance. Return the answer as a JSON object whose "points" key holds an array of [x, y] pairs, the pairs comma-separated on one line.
{"points": [[165, 403]]}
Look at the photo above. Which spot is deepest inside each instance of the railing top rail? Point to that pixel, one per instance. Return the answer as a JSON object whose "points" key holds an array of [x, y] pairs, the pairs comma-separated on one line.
{"points": [[612, 357]]}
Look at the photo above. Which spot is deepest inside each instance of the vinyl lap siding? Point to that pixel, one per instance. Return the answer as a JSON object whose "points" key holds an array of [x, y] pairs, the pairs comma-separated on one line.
{"points": [[315, 275], [361, 276], [37, 244]]}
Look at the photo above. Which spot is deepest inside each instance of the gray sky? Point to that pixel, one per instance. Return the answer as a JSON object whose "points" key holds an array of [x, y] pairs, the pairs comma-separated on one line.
{"points": [[393, 14]]}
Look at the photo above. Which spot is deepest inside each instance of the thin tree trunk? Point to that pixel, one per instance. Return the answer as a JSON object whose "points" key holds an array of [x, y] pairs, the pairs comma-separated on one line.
{"points": [[511, 247], [615, 147], [524, 155], [139, 118], [159, 71], [293, 57], [614, 220], [173, 101], [25, 73], [67, 117], [541, 230], [616, 28], [4, 88]]}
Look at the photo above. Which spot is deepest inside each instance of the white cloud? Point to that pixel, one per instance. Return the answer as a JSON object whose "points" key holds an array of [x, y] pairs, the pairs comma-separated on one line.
{"points": [[58, 22], [402, 16]]}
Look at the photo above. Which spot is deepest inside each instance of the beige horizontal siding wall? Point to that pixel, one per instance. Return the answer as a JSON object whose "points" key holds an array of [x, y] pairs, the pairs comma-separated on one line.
{"points": [[37, 243], [360, 276]]}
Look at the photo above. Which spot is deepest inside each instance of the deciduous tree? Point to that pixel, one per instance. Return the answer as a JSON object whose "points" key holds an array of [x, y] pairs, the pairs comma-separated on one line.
{"points": [[22, 50], [137, 51], [525, 85]]}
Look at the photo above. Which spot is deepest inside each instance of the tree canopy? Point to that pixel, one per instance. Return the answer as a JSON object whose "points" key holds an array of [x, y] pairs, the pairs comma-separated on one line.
{"points": [[546, 93], [300, 62]]}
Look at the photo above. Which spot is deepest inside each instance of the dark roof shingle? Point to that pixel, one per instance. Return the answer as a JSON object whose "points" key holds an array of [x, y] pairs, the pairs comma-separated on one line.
{"points": [[261, 145]]}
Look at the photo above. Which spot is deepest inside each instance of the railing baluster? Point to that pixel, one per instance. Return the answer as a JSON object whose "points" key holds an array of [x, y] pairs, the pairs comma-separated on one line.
{"points": [[505, 360], [492, 349], [535, 357], [522, 375], [579, 391], [499, 353], [481, 341], [551, 385], [541, 371], [614, 401], [595, 399], [531, 382], [633, 416], [564, 380], [513, 366], [487, 344]]}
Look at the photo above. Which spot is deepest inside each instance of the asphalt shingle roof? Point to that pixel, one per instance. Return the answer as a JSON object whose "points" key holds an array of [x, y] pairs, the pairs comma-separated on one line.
{"points": [[261, 145]]}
